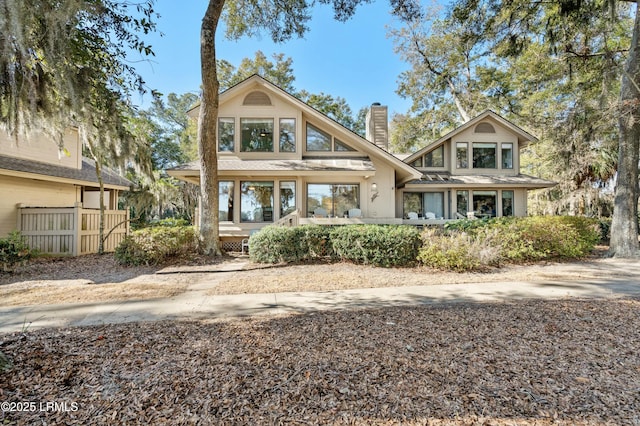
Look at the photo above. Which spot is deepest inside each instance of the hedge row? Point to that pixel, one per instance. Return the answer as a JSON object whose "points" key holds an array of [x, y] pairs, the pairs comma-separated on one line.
{"points": [[367, 244], [152, 246], [461, 246]]}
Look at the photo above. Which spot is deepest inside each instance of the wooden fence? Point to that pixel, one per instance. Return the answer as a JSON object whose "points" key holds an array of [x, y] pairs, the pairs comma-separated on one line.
{"points": [[71, 231]]}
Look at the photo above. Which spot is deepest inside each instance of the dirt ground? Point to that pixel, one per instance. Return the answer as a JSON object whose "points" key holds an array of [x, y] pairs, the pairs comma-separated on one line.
{"points": [[96, 278], [562, 362], [566, 362]]}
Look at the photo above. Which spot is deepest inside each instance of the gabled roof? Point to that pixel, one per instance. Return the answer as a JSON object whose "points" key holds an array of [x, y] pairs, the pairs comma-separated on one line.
{"points": [[51, 172], [524, 137], [404, 172]]}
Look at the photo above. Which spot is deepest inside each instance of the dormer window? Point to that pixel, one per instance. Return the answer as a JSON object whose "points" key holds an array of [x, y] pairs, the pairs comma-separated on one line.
{"points": [[484, 128], [256, 98]]}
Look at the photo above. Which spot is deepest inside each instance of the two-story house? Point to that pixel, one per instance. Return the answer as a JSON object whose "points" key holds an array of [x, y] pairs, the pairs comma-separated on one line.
{"points": [[51, 194], [280, 160]]}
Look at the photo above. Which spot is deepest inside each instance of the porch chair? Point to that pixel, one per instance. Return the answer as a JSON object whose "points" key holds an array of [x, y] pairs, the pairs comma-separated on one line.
{"points": [[355, 213], [412, 215], [319, 212], [429, 215], [245, 241]]}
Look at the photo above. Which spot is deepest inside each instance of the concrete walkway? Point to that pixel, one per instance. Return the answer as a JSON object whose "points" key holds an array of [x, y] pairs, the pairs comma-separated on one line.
{"points": [[196, 304]]}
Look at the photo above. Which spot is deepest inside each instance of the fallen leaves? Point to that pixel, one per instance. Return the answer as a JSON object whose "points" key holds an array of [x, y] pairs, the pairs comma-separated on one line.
{"points": [[525, 363]]}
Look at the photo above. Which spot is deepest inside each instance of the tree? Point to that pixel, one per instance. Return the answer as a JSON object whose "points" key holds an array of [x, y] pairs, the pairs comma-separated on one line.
{"points": [[279, 72], [282, 20], [66, 63], [555, 67]]}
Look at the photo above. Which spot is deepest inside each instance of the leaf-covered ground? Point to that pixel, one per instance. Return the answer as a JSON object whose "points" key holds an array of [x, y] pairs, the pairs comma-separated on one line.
{"points": [[523, 363]]}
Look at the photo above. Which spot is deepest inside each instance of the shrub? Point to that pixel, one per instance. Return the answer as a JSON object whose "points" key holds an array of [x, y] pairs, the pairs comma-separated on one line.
{"points": [[377, 245], [14, 251], [274, 244], [458, 251], [154, 245]]}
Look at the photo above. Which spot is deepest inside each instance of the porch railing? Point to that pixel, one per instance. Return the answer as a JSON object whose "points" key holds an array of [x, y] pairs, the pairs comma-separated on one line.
{"points": [[71, 230]]}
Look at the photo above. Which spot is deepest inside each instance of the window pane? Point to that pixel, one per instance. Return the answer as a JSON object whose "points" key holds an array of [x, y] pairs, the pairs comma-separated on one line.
{"points": [[287, 135], [417, 163], [335, 199], [507, 156], [435, 158], [256, 200], [287, 198], [462, 200], [434, 203], [462, 155], [341, 146], [507, 203], [412, 203], [345, 198], [257, 134], [484, 155], [225, 201], [317, 140], [226, 134], [484, 203]]}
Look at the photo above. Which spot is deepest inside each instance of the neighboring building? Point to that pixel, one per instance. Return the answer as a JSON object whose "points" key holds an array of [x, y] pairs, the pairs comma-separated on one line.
{"points": [[282, 161], [39, 180]]}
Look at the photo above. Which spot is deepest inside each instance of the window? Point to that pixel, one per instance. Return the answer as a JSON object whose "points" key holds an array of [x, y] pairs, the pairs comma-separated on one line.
{"points": [[485, 128], [287, 135], [434, 204], [335, 199], [507, 156], [226, 134], [507, 203], [484, 203], [287, 198], [417, 162], [462, 155], [435, 158], [462, 201], [341, 146], [256, 199], [257, 134], [484, 155], [317, 140], [412, 203], [225, 201]]}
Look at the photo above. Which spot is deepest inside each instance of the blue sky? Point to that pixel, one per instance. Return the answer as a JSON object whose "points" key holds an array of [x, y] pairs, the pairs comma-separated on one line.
{"points": [[354, 60]]}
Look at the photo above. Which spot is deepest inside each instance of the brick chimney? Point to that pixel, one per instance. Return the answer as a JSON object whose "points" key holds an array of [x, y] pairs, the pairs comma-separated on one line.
{"points": [[377, 126]]}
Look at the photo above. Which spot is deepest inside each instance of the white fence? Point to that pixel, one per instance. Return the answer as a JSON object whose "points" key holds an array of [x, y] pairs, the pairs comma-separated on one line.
{"points": [[71, 231]]}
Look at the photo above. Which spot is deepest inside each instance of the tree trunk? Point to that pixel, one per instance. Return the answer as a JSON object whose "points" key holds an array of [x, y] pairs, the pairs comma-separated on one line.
{"points": [[624, 227], [207, 131]]}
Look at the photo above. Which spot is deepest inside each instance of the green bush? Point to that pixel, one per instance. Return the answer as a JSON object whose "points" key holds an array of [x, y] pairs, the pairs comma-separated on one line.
{"points": [[370, 244], [154, 245], [13, 251], [377, 245], [275, 244]]}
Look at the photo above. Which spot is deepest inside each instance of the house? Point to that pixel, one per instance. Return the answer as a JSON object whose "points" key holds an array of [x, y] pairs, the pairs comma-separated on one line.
{"points": [[51, 194], [281, 161]]}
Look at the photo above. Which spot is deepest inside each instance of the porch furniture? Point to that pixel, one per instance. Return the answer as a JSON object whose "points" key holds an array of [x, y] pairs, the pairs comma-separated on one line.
{"points": [[319, 212], [412, 215], [355, 213], [245, 241]]}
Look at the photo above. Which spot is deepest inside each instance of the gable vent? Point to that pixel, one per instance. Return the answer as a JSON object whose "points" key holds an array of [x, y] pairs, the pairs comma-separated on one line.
{"points": [[485, 128], [257, 98]]}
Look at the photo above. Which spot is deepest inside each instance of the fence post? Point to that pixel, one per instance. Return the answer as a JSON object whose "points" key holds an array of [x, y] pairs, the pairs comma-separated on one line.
{"points": [[19, 207], [77, 227]]}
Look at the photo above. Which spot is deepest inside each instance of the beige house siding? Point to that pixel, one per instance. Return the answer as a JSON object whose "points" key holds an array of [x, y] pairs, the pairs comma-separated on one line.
{"points": [[33, 193], [39, 147]]}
